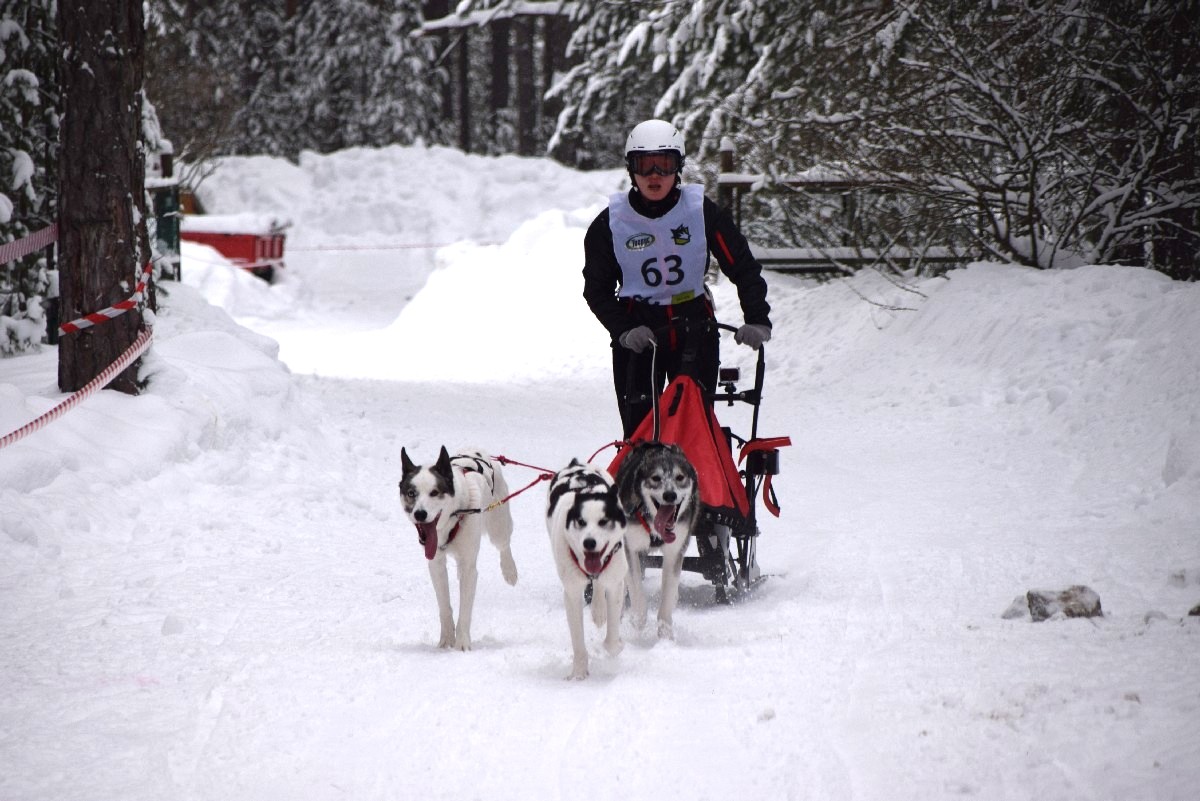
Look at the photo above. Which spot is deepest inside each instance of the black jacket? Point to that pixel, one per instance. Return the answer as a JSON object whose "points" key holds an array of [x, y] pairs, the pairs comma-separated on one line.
{"points": [[602, 273]]}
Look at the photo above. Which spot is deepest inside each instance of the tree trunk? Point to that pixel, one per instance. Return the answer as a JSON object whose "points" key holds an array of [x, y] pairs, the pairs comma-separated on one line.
{"points": [[527, 97], [500, 93], [464, 91], [102, 205]]}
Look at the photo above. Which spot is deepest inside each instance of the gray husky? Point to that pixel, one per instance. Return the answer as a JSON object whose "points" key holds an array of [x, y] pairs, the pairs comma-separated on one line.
{"points": [[657, 487]]}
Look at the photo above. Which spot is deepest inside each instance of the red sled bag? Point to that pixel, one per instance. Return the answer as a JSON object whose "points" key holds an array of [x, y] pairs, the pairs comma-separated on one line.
{"points": [[688, 421]]}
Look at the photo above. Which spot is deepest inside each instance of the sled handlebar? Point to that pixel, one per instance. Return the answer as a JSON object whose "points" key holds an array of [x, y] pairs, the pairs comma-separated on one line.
{"points": [[725, 391]]}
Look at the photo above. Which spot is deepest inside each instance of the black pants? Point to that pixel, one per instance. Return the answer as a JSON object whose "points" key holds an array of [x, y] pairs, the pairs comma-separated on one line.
{"points": [[691, 351]]}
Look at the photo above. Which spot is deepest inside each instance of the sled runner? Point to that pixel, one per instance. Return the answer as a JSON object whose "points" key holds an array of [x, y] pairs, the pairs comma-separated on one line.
{"points": [[684, 414]]}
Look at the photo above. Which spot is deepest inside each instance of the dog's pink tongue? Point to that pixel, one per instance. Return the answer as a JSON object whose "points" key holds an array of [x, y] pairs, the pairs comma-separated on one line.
{"points": [[427, 534], [664, 523], [593, 562]]}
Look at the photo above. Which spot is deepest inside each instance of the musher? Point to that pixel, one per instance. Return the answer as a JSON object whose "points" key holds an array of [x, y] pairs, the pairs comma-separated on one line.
{"points": [[645, 259]]}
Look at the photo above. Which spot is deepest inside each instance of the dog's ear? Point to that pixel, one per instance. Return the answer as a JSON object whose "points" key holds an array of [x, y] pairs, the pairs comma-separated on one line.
{"points": [[616, 510], [575, 462], [442, 467], [406, 464], [626, 486]]}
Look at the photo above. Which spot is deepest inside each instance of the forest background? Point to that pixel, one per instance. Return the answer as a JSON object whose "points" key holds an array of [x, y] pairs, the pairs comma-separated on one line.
{"points": [[1050, 134]]}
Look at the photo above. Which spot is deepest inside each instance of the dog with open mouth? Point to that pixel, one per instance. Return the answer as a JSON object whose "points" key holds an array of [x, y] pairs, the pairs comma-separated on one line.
{"points": [[452, 503], [658, 490], [587, 539]]}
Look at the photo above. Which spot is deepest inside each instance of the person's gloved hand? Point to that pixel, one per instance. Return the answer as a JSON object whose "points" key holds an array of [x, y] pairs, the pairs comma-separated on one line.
{"points": [[752, 335], [637, 339]]}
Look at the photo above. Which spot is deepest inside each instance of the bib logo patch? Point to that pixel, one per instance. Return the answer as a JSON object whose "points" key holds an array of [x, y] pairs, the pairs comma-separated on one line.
{"points": [[639, 241], [681, 235]]}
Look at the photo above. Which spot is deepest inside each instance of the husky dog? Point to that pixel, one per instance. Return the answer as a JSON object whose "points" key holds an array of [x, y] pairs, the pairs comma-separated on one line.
{"points": [[587, 537], [657, 487], [450, 503]]}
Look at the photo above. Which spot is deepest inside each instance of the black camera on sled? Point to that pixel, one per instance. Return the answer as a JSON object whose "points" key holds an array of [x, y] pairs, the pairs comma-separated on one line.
{"points": [[763, 463]]}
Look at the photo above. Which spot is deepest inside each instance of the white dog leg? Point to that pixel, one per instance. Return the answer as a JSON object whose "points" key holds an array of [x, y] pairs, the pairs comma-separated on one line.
{"points": [[672, 569], [508, 567], [573, 599], [637, 593], [614, 599], [499, 525], [468, 578], [441, 588], [599, 606]]}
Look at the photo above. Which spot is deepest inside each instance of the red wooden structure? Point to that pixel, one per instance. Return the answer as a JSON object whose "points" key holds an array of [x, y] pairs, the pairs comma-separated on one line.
{"points": [[252, 242]]}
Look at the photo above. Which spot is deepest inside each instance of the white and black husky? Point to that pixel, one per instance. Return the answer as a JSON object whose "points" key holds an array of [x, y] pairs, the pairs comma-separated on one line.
{"points": [[657, 488], [587, 534], [448, 503]]}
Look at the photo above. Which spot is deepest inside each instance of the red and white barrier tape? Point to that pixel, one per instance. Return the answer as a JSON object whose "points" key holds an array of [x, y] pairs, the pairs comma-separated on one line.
{"points": [[11, 251], [115, 310], [96, 384]]}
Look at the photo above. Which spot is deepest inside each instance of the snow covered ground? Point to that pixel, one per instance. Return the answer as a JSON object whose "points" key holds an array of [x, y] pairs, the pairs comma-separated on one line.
{"points": [[209, 591]]}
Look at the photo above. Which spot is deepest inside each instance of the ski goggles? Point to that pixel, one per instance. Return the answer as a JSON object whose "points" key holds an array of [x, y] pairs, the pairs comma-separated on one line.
{"points": [[656, 162]]}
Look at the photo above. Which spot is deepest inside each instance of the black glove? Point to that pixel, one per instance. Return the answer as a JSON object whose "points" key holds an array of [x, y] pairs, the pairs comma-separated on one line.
{"points": [[637, 339], [752, 335]]}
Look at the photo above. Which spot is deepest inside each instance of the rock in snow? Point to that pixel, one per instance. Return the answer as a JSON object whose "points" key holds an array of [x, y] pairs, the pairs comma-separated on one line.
{"points": [[1077, 601]]}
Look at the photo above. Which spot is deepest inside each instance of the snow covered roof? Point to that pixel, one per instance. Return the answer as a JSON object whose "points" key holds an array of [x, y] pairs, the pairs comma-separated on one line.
{"points": [[242, 223]]}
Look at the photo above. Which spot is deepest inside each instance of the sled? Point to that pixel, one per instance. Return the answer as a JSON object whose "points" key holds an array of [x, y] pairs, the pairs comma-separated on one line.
{"points": [[684, 414]]}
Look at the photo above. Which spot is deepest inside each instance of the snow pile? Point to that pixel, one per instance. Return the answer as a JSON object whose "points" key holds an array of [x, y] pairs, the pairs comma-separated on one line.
{"points": [[210, 590]]}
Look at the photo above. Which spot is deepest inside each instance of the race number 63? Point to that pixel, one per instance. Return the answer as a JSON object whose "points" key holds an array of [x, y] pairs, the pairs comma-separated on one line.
{"points": [[653, 276]]}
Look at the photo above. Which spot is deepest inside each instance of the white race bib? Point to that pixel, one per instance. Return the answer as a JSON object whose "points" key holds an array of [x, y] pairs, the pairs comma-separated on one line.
{"points": [[662, 261]]}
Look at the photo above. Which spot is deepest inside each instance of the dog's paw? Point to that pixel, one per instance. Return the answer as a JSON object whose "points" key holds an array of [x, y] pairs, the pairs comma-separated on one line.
{"points": [[614, 647], [578, 672], [639, 619], [508, 567], [666, 631], [462, 643]]}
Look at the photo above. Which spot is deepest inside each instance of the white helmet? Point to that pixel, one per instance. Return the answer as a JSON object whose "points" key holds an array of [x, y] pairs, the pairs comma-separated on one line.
{"points": [[654, 135]]}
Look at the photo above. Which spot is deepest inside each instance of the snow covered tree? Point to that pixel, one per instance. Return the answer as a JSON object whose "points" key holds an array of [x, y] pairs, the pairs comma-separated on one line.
{"points": [[611, 86], [193, 60], [356, 78], [28, 161], [248, 77], [1054, 132], [503, 56], [1045, 131]]}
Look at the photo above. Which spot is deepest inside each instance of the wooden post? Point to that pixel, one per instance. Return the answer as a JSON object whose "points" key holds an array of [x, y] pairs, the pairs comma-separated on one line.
{"points": [[102, 198], [727, 196]]}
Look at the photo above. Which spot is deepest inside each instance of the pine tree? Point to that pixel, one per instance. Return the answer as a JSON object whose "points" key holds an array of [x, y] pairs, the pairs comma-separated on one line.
{"points": [[353, 77], [28, 160]]}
